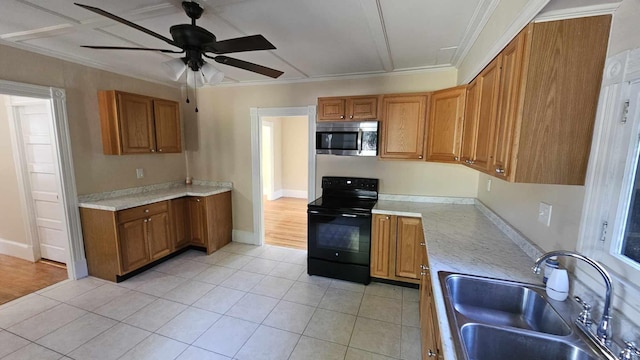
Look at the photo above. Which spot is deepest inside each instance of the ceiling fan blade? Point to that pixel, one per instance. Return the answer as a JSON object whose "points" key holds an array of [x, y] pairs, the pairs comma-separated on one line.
{"points": [[273, 73], [246, 43], [130, 48], [128, 23]]}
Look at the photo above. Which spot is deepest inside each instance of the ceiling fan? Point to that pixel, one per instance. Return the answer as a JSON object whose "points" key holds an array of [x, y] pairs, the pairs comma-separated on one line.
{"points": [[196, 42]]}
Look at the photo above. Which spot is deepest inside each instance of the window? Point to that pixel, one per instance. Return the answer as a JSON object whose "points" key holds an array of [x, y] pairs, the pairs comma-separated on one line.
{"points": [[610, 225]]}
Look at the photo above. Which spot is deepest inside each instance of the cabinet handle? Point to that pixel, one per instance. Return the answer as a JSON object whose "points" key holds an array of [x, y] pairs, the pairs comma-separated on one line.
{"points": [[341, 116], [153, 150], [423, 244], [423, 273], [420, 157], [160, 150], [466, 161], [456, 158], [424, 267], [472, 162], [500, 170], [197, 200], [350, 116], [431, 353], [149, 219], [146, 220], [386, 217], [146, 210]]}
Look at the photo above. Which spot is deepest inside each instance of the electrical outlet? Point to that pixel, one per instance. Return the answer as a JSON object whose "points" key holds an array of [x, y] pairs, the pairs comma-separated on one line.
{"points": [[489, 185], [544, 213], [139, 173]]}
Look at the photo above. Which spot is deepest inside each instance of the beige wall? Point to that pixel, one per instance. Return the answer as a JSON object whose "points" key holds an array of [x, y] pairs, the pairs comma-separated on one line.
{"points": [[12, 225], [295, 152], [222, 130], [498, 24], [518, 203], [94, 171]]}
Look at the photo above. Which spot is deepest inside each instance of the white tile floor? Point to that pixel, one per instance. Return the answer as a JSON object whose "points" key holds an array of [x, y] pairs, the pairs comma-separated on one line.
{"points": [[242, 302]]}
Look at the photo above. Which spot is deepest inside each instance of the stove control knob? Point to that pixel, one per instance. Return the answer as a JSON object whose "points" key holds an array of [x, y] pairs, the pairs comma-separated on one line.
{"points": [[337, 254]]}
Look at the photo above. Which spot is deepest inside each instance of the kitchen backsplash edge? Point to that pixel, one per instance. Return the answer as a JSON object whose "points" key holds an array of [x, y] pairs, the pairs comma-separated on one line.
{"points": [[147, 188]]}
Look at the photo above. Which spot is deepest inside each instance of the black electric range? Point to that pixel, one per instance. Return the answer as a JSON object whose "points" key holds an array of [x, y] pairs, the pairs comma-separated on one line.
{"points": [[339, 229]]}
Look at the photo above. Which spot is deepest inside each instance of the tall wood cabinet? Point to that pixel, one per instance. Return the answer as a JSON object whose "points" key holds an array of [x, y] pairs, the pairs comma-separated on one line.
{"points": [[138, 124], [397, 243], [403, 126], [444, 125], [351, 108]]}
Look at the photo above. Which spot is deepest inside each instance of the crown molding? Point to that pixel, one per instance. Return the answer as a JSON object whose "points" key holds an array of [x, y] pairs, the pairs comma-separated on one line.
{"points": [[476, 24], [583, 11]]}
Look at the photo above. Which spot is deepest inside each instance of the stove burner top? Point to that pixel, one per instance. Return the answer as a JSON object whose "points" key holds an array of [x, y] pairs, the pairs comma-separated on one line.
{"points": [[342, 204]]}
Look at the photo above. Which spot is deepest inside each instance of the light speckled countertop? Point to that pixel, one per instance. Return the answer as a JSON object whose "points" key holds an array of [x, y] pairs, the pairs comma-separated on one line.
{"points": [[460, 238], [148, 197]]}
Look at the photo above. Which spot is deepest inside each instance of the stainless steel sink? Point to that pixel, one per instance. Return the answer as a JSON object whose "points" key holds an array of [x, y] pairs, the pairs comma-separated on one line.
{"points": [[504, 304], [499, 319], [487, 342]]}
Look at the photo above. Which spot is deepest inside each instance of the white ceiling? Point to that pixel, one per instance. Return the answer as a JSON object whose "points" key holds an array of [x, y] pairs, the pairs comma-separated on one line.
{"points": [[314, 38]]}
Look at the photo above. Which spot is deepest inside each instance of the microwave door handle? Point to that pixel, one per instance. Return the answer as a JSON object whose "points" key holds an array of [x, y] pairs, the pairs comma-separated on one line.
{"points": [[359, 141]]}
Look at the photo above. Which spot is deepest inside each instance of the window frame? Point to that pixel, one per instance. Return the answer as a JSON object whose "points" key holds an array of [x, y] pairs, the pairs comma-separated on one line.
{"points": [[614, 151]]}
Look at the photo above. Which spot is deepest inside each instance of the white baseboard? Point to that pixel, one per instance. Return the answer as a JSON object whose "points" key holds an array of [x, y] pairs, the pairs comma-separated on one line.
{"points": [[16, 249], [245, 237], [299, 194]]}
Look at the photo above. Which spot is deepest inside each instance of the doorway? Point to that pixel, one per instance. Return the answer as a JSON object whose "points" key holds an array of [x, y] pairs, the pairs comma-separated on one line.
{"points": [[283, 173], [39, 219], [284, 166]]}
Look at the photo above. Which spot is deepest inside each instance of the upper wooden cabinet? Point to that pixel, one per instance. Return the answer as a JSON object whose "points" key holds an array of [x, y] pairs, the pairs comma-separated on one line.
{"points": [[549, 82], [352, 108], [137, 124], [403, 126], [483, 105], [444, 128]]}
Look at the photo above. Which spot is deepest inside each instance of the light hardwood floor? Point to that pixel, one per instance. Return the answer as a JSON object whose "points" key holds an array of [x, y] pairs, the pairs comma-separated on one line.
{"points": [[20, 277], [285, 222]]}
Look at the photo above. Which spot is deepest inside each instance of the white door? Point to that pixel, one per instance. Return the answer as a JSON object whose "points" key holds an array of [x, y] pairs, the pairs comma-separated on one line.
{"points": [[34, 124]]}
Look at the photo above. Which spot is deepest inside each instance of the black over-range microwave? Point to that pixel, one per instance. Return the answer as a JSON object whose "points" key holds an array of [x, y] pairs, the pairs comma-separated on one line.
{"points": [[350, 138]]}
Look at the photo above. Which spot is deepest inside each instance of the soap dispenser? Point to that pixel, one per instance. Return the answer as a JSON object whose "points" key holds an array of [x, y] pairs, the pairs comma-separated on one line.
{"points": [[558, 285]]}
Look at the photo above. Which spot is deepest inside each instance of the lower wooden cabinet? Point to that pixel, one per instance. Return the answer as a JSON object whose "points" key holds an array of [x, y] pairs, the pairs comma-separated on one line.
{"points": [[396, 246], [119, 242], [429, 331]]}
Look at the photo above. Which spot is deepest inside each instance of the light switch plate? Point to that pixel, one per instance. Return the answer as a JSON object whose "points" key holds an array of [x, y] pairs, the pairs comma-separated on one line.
{"points": [[544, 213], [139, 173]]}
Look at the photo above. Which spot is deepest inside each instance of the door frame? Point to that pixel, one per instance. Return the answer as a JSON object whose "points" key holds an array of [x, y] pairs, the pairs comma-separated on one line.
{"points": [[270, 125], [256, 135], [76, 261]]}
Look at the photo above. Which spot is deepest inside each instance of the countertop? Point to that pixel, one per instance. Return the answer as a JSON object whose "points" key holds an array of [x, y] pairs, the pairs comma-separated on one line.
{"points": [[127, 201], [460, 238]]}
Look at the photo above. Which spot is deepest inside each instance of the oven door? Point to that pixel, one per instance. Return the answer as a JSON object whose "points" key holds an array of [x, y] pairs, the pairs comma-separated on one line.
{"points": [[340, 236]]}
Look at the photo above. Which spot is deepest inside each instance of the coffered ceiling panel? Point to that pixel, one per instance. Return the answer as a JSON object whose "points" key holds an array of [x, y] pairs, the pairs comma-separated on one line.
{"points": [[314, 38]]}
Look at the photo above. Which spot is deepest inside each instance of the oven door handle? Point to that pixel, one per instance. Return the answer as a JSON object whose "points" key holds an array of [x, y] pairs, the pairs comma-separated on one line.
{"points": [[330, 213]]}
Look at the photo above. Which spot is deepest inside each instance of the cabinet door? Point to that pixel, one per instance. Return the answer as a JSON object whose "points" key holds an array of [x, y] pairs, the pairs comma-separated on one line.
{"points": [[470, 127], [218, 221], [444, 130], [362, 108], [508, 104], [136, 123], [408, 248], [132, 243], [158, 235], [428, 323], [489, 82], [382, 233], [167, 124], [331, 109], [403, 123], [197, 218], [179, 210]]}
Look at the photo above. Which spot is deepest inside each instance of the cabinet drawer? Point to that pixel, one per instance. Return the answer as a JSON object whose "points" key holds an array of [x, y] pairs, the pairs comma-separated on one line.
{"points": [[142, 211]]}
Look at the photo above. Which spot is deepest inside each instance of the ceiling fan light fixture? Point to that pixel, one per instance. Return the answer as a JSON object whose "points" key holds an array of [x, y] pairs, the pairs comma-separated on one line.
{"points": [[174, 68], [212, 76]]}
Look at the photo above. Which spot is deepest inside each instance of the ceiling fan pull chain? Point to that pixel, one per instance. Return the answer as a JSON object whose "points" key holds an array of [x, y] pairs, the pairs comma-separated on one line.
{"points": [[186, 84]]}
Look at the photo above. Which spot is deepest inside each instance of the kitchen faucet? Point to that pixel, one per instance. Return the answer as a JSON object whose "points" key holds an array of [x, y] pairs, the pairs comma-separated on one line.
{"points": [[603, 332]]}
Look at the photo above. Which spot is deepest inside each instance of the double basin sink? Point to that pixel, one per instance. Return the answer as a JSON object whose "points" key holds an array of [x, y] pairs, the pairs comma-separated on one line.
{"points": [[498, 319]]}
